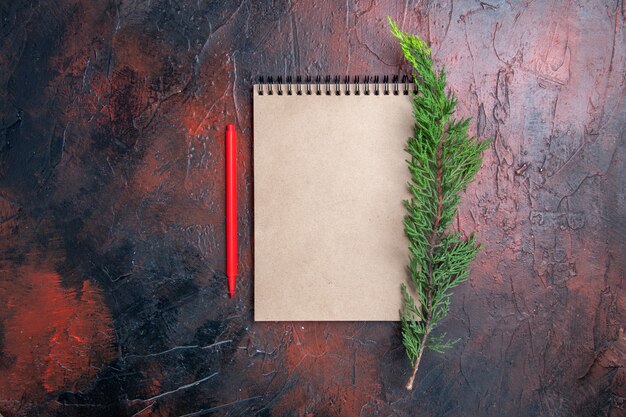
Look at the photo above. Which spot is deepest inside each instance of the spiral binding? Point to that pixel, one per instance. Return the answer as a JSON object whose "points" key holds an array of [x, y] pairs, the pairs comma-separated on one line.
{"points": [[332, 85]]}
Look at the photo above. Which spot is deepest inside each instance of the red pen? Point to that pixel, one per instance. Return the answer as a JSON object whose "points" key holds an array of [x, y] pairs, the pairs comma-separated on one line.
{"points": [[231, 207]]}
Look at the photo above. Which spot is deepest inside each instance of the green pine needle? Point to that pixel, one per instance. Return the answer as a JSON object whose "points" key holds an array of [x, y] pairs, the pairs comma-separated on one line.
{"points": [[443, 160]]}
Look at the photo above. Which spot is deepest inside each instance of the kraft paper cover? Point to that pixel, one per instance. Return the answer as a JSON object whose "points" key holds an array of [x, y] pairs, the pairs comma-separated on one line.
{"points": [[329, 179]]}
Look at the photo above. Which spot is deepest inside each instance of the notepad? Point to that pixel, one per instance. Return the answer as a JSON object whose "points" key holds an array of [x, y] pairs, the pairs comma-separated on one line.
{"points": [[330, 175]]}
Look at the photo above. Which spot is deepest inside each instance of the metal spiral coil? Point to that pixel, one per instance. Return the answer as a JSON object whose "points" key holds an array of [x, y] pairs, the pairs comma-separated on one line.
{"points": [[332, 85]]}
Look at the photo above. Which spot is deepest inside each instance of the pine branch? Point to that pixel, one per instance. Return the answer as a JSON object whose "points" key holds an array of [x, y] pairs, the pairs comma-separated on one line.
{"points": [[443, 160]]}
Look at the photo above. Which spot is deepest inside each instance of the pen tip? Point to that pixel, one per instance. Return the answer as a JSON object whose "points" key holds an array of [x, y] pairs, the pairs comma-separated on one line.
{"points": [[231, 286]]}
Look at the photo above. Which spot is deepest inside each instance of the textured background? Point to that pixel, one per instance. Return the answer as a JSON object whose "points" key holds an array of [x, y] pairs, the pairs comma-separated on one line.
{"points": [[112, 294]]}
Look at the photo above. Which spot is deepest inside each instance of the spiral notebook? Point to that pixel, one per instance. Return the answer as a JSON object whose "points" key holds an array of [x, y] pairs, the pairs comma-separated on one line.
{"points": [[329, 180]]}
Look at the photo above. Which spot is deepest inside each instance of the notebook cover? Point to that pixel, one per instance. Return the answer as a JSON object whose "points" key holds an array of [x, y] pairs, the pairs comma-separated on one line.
{"points": [[329, 179]]}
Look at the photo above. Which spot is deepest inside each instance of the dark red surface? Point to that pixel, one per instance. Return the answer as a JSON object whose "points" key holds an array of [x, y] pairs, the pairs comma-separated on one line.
{"points": [[113, 299]]}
